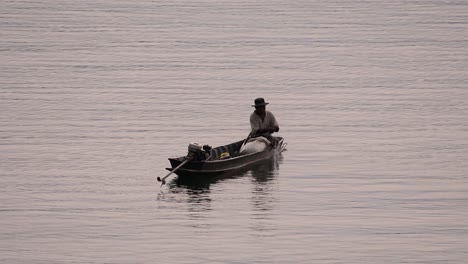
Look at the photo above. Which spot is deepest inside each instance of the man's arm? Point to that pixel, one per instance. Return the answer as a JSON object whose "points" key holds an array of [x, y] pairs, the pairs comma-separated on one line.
{"points": [[275, 123]]}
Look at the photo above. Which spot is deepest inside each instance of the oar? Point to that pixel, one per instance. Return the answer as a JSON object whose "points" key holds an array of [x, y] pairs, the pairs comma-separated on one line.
{"points": [[246, 139], [174, 170]]}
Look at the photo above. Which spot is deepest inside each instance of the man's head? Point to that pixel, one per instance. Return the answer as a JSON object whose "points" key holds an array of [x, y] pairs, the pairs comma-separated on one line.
{"points": [[260, 105], [259, 102]]}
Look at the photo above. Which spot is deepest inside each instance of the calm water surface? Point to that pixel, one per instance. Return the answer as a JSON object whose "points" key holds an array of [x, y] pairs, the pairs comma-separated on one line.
{"points": [[371, 96]]}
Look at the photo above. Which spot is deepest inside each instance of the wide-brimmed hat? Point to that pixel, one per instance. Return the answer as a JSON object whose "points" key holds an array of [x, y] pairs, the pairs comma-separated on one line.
{"points": [[259, 102]]}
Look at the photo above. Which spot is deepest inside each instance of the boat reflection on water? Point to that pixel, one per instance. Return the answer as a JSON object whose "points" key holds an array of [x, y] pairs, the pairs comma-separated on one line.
{"points": [[198, 194]]}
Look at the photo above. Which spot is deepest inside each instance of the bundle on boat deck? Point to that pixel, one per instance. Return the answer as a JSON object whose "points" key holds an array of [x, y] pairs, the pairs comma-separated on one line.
{"points": [[213, 161]]}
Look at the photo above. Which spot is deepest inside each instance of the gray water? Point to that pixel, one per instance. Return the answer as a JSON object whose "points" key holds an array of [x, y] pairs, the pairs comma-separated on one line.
{"points": [[370, 95]]}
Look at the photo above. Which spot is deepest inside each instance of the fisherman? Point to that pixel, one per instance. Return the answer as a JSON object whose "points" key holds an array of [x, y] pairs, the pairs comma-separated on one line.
{"points": [[263, 122]]}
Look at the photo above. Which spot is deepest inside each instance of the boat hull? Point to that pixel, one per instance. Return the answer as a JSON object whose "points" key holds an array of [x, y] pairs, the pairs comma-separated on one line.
{"points": [[221, 166]]}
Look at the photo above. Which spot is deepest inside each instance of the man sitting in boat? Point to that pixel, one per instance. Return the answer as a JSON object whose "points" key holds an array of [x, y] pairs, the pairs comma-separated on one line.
{"points": [[263, 122]]}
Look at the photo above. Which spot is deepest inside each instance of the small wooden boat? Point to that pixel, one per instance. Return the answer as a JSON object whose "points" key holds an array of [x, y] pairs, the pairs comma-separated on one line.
{"points": [[207, 161]]}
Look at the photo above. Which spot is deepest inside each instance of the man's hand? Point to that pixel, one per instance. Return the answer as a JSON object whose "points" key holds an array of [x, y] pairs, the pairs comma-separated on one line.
{"points": [[272, 130]]}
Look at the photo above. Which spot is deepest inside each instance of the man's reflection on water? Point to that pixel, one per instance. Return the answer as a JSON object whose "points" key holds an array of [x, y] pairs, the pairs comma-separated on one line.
{"points": [[264, 197], [262, 185]]}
